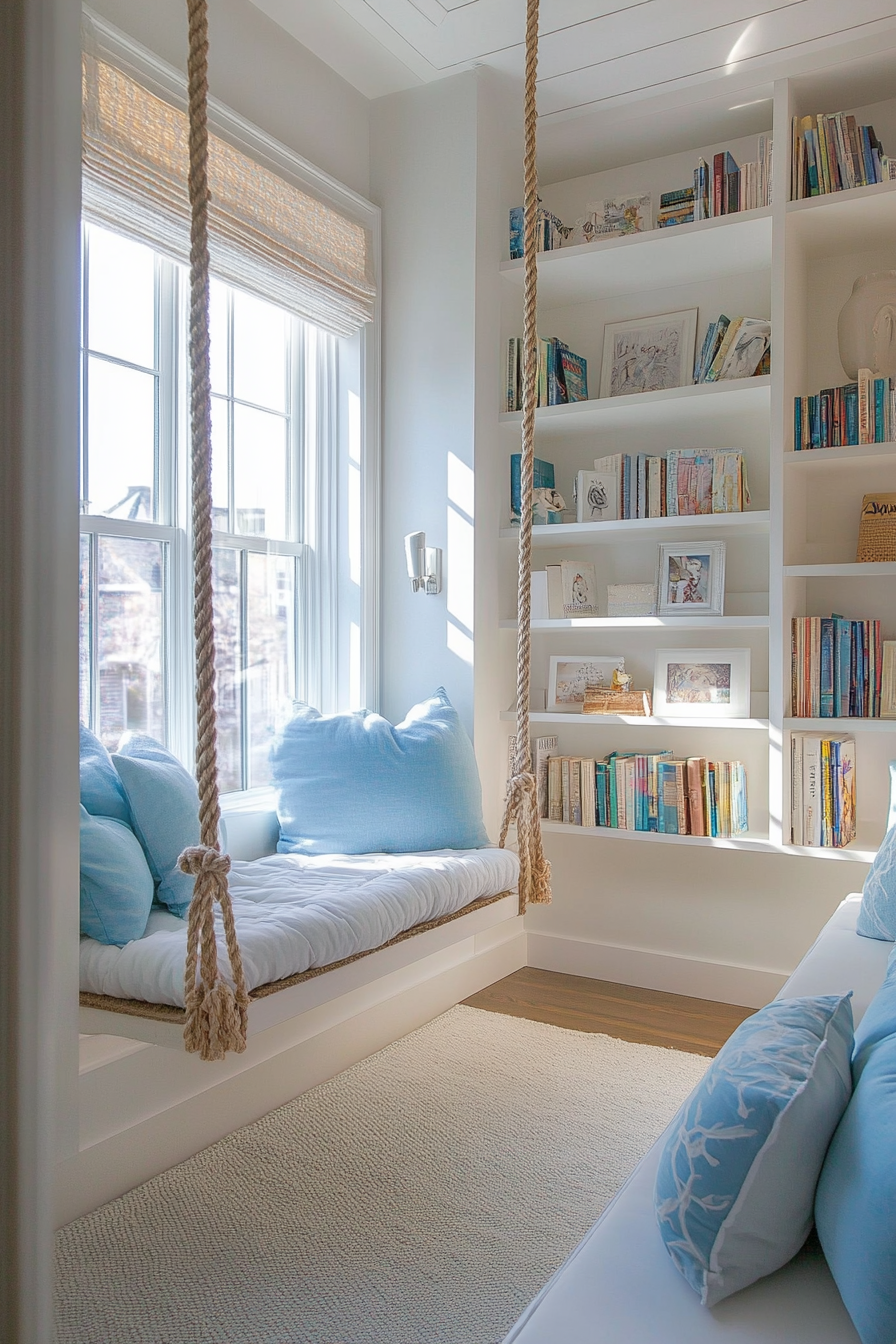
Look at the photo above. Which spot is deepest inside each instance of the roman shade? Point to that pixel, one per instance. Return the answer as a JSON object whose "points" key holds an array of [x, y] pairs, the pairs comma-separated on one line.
{"points": [[267, 235]]}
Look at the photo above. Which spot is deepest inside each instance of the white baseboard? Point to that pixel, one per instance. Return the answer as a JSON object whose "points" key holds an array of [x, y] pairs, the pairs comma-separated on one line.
{"points": [[348, 1030], [746, 985]]}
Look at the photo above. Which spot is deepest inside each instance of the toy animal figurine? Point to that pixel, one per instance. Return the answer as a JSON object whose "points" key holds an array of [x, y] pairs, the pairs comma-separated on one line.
{"points": [[622, 681]]}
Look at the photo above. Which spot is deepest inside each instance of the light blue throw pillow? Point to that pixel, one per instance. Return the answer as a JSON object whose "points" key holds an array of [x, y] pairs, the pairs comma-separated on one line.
{"points": [[101, 790], [855, 1206], [164, 805], [877, 913], [116, 884], [736, 1180], [353, 784]]}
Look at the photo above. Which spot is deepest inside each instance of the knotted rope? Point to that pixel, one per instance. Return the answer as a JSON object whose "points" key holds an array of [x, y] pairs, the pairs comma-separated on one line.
{"points": [[216, 1014], [521, 805]]}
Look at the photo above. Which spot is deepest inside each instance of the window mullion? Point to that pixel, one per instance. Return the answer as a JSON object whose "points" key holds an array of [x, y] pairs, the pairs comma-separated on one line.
{"points": [[244, 667]]}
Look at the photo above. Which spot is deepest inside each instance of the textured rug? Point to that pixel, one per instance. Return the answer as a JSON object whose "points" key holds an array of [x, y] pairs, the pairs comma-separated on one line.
{"points": [[421, 1197]]}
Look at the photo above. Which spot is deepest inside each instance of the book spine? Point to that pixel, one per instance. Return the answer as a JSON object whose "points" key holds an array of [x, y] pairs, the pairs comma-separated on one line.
{"points": [[826, 674], [796, 790], [696, 810]]}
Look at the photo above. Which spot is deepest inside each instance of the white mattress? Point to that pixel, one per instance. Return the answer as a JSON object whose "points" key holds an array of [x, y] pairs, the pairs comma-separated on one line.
{"points": [[294, 913], [619, 1285]]}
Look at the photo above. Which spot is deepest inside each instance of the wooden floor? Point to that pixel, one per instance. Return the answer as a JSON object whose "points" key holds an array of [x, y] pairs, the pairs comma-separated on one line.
{"points": [[645, 1016]]}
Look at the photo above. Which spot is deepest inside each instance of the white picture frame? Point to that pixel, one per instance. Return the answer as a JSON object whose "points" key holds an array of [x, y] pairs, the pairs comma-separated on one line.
{"points": [[702, 684], [570, 673], [690, 579], [648, 354]]}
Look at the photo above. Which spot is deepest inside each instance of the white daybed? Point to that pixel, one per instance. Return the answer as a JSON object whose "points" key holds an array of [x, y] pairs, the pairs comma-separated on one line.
{"points": [[619, 1285], [299, 920]]}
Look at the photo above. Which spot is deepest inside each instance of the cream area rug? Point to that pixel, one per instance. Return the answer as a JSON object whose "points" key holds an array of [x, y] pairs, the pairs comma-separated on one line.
{"points": [[421, 1197]]}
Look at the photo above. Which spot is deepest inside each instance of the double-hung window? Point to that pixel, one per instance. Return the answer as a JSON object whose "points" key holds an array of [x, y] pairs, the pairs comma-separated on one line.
{"points": [[292, 502]]}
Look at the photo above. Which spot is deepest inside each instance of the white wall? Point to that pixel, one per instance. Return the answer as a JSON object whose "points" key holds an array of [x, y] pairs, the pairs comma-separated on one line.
{"points": [[261, 72]]}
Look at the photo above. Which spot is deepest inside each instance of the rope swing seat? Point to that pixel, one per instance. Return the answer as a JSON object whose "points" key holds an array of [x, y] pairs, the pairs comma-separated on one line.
{"points": [[270, 936]]}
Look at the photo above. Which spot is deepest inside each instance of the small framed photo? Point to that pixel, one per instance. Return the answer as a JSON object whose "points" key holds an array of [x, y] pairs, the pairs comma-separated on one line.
{"points": [[571, 673], [702, 683], [597, 497], [691, 582], [648, 354]]}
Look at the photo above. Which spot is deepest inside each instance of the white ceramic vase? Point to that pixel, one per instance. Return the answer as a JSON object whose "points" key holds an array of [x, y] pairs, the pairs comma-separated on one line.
{"points": [[866, 328]]}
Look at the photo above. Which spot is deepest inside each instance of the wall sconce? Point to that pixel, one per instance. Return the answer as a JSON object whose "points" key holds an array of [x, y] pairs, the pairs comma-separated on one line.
{"points": [[424, 564]]}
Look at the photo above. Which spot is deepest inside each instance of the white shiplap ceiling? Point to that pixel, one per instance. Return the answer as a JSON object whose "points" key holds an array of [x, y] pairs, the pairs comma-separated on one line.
{"points": [[594, 55]]}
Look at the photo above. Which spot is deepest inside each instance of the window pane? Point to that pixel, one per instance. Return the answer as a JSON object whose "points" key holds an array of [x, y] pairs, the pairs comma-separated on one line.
{"points": [[259, 469], [84, 633], [220, 468], [218, 337], [259, 352], [270, 660], [121, 437], [121, 301], [228, 662], [129, 638]]}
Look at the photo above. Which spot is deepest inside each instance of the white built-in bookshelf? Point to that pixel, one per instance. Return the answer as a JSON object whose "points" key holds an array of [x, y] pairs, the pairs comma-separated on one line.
{"points": [[792, 553]]}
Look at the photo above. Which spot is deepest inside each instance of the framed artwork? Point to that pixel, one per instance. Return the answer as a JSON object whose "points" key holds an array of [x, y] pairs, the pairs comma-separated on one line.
{"points": [[615, 218], [702, 683], [570, 673], [691, 582], [648, 354], [597, 497]]}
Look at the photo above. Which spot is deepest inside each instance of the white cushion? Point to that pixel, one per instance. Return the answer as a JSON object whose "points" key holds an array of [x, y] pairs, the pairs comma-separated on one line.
{"points": [[839, 960]]}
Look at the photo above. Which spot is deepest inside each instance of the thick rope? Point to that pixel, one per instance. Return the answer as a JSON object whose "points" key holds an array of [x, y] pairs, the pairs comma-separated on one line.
{"points": [[521, 805], [217, 1015]]}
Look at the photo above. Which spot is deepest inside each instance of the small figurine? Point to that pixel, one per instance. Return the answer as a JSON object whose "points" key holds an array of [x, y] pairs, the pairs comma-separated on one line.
{"points": [[622, 681], [546, 502]]}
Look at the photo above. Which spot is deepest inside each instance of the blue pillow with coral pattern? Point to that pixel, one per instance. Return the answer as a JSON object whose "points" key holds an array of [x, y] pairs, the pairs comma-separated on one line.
{"points": [[736, 1179], [877, 913]]}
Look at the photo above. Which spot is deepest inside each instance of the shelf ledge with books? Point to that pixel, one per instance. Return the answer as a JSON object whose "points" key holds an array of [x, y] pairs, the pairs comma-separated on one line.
{"points": [[867, 569], [648, 622], [813, 458], [700, 251], [853, 725], [752, 843], [753, 522], [631, 721], [851, 221], [674, 406]]}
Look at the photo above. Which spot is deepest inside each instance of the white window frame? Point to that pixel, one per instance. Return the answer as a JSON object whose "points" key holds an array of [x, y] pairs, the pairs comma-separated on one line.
{"points": [[321, 668]]}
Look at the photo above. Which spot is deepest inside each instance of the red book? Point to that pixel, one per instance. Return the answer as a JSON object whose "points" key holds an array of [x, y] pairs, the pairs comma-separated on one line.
{"points": [[718, 181]]}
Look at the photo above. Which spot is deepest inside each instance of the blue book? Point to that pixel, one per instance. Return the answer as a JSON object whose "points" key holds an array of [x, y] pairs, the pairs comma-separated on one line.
{"points": [[797, 424], [826, 673], [517, 237], [542, 478], [815, 421], [844, 665], [713, 803], [881, 391], [851, 406], [867, 160]]}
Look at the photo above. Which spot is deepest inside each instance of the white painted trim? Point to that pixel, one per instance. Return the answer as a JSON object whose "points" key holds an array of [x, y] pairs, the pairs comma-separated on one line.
{"points": [[751, 986], [282, 1063]]}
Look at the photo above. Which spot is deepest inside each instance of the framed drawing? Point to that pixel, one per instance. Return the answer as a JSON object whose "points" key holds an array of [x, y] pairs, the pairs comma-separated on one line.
{"points": [[691, 582], [648, 354], [571, 673], [702, 683], [597, 497]]}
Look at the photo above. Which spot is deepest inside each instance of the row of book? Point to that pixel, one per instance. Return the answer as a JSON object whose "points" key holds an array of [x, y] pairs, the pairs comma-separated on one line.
{"points": [[736, 347], [831, 152], [726, 189], [562, 375], [836, 668], [681, 483], [841, 417], [649, 791], [548, 231], [823, 791]]}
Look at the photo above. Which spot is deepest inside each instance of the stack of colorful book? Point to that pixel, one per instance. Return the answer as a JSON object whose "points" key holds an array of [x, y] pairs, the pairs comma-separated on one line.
{"points": [[682, 483], [562, 375], [736, 347], [676, 207], [649, 791], [831, 152], [725, 189], [823, 791], [836, 668], [841, 417]]}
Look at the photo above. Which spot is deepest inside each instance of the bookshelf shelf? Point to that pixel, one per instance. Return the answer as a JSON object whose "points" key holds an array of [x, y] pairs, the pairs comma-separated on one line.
{"points": [[751, 523], [848, 221], [751, 843], [615, 720], [670, 623], [678, 406], [826, 726], [869, 569], [816, 458], [702, 251]]}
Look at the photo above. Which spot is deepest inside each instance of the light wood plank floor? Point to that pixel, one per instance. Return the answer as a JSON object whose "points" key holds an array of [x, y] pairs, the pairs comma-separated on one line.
{"points": [[645, 1016]]}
